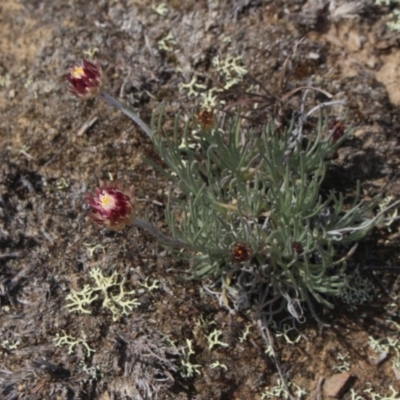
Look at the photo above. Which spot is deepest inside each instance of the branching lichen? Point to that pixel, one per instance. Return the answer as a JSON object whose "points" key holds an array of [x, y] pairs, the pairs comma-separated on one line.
{"points": [[358, 290], [188, 370], [160, 9], [94, 373], [388, 345], [80, 299], [92, 247], [344, 365], [192, 86], [373, 395], [10, 345], [246, 333], [280, 392], [213, 339], [285, 334], [166, 42], [150, 286], [71, 342], [118, 303], [217, 364]]}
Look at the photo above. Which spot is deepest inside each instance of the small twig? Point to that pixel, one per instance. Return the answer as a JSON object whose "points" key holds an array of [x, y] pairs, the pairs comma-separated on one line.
{"points": [[51, 159], [87, 125], [15, 254], [391, 181], [27, 155], [319, 387], [348, 255], [381, 267], [266, 335], [15, 280]]}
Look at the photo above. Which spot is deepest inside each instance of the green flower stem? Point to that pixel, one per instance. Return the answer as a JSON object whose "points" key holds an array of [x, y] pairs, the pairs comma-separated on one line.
{"points": [[128, 112], [165, 240]]}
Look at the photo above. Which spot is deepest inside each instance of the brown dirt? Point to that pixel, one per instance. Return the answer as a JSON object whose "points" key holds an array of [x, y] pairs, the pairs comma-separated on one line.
{"points": [[48, 164]]}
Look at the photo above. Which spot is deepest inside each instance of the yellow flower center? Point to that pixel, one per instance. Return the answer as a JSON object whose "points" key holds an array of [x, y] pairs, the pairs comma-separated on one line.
{"points": [[107, 201], [77, 72]]}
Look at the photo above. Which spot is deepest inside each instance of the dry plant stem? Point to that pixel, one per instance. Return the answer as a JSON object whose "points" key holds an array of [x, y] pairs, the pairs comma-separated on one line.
{"points": [[128, 112], [326, 104], [339, 232], [266, 335], [15, 254], [165, 240], [86, 125], [379, 267]]}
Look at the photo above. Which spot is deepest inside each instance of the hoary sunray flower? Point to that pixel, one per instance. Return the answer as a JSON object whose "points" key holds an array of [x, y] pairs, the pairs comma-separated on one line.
{"points": [[112, 205], [85, 80]]}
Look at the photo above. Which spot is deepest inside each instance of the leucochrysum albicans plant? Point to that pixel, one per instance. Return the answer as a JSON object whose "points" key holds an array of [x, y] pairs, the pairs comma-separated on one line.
{"points": [[246, 211]]}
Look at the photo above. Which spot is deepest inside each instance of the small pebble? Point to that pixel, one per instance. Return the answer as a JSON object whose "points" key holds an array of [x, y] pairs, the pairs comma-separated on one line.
{"points": [[336, 385]]}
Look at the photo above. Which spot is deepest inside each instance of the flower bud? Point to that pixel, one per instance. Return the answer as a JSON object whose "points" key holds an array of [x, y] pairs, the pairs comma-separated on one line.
{"points": [[241, 252], [85, 80], [297, 247], [112, 205], [335, 130], [205, 118]]}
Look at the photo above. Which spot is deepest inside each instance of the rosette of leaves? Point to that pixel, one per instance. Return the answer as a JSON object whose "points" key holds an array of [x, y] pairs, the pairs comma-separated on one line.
{"points": [[232, 184]]}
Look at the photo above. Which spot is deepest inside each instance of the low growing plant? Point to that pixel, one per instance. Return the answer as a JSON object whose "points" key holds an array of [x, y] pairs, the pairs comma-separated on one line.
{"points": [[245, 207]]}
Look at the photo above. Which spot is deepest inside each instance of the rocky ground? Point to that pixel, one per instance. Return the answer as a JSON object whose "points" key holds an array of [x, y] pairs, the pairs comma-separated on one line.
{"points": [[178, 342]]}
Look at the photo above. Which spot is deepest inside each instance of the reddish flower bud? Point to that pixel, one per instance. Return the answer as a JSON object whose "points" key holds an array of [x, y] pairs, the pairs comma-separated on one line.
{"points": [[335, 130], [241, 252], [205, 118], [112, 205], [297, 247], [85, 80]]}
